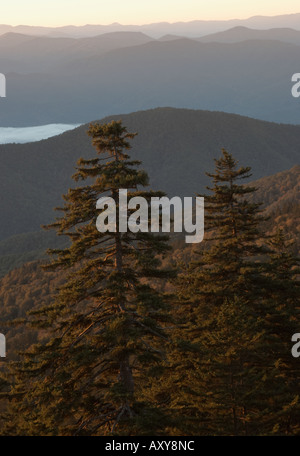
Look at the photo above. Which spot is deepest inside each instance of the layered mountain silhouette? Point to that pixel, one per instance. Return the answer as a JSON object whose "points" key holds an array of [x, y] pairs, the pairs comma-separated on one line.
{"points": [[193, 28], [238, 34], [45, 54], [65, 80]]}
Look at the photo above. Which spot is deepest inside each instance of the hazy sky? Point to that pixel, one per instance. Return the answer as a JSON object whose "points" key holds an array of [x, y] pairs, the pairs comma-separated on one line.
{"points": [[79, 12]]}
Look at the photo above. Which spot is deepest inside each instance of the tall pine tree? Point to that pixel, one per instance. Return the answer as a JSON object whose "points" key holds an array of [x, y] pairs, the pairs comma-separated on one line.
{"points": [[105, 330], [223, 361], [282, 299]]}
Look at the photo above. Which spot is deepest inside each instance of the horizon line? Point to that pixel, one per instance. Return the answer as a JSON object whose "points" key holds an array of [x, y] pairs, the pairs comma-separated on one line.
{"points": [[151, 23]]}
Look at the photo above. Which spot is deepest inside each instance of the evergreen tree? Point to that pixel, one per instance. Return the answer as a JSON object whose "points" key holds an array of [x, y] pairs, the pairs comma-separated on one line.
{"points": [[223, 359], [105, 330], [281, 322]]}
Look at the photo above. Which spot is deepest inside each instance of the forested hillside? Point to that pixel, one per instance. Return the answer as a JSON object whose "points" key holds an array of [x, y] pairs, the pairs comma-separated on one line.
{"points": [[22, 290], [210, 325], [176, 147], [28, 286], [279, 195]]}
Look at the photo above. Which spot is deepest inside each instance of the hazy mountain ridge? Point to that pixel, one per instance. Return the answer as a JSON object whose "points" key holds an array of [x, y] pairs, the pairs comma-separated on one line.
{"points": [[42, 53], [193, 28], [251, 78], [238, 34]]}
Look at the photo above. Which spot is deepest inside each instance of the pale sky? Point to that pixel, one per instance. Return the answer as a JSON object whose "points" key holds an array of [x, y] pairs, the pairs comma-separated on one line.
{"points": [[79, 12]]}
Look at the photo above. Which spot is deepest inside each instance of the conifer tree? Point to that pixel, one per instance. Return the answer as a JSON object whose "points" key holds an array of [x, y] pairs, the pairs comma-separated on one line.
{"points": [[282, 413], [224, 360], [105, 330]]}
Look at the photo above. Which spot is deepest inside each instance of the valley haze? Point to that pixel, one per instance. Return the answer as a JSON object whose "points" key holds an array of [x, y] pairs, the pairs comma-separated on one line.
{"points": [[70, 75]]}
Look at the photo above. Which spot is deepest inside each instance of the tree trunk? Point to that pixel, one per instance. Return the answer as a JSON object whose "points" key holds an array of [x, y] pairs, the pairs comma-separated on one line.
{"points": [[126, 376]]}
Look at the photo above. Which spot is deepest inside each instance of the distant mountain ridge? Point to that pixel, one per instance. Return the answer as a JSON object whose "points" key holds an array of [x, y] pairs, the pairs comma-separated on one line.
{"points": [[156, 30], [49, 83], [42, 53], [238, 34]]}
